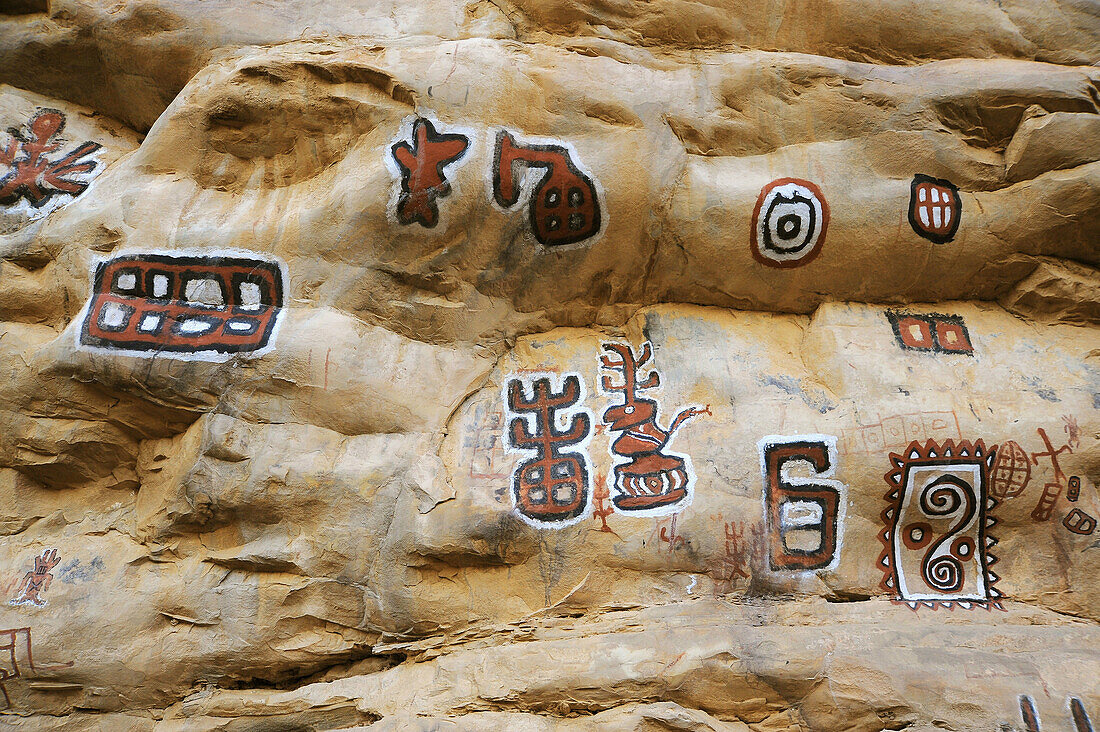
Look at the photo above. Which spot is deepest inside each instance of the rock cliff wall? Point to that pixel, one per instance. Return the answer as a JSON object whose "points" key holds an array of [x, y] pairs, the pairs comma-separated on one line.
{"points": [[558, 365]]}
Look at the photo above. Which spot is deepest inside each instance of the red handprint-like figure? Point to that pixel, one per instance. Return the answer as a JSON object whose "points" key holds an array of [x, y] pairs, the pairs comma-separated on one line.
{"points": [[650, 481], [564, 207], [33, 176]]}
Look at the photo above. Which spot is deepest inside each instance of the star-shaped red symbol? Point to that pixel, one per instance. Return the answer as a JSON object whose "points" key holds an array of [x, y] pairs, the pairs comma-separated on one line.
{"points": [[422, 164]]}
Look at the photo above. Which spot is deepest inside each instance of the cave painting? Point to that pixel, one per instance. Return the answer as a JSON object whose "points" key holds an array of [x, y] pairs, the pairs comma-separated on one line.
{"points": [[564, 207], [1030, 716], [9, 667], [897, 431], [788, 223], [1011, 471], [194, 307], [934, 208], [32, 175], [930, 332], [551, 488], [647, 479], [1073, 492], [1051, 489], [1079, 522], [936, 541], [421, 163], [802, 515], [37, 581]]}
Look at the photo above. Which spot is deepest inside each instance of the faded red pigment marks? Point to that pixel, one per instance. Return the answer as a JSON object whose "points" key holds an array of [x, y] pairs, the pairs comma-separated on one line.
{"points": [[184, 306], [936, 541], [1013, 469], [734, 564], [9, 667], [37, 581], [564, 207], [1052, 489], [897, 431], [422, 164], [802, 515], [935, 208], [31, 174], [788, 223], [648, 479], [930, 332], [553, 487]]}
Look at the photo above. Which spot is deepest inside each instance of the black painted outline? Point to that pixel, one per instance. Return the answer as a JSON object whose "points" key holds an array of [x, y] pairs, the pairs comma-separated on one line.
{"points": [[509, 202], [820, 470], [913, 222], [895, 317], [83, 150], [87, 339], [770, 236], [129, 309], [433, 194]]}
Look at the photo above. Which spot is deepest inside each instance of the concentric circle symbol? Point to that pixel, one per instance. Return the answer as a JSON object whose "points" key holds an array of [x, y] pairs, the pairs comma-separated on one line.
{"points": [[788, 223]]}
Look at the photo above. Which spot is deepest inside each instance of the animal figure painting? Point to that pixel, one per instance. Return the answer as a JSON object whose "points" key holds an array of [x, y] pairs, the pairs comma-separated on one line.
{"points": [[422, 163], [647, 479], [32, 175]]}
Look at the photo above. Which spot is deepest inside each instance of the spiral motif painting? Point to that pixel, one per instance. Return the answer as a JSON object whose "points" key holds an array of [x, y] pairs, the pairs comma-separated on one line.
{"points": [[936, 541]]}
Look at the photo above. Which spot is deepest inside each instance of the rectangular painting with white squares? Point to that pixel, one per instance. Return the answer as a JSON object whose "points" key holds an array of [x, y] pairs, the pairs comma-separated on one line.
{"points": [[205, 306]]}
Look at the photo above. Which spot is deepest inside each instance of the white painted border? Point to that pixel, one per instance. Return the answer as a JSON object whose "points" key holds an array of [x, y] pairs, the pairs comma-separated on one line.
{"points": [[617, 459], [761, 224], [208, 356], [527, 188], [58, 199], [564, 417], [405, 134], [974, 525], [823, 478]]}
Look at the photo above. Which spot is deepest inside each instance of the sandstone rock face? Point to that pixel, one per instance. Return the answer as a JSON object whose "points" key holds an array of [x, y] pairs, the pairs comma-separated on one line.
{"points": [[550, 366]]}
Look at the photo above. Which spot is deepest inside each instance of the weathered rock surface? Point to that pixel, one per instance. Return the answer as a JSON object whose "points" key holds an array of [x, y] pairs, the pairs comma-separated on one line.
{"points": [[281, 347]]}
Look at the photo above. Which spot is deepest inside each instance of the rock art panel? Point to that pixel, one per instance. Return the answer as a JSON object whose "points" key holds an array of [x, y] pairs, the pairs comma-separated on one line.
{"points": [[35, 583], [552, 488], [647, 479], [937, 520], [898, 430], [935, 208], [789, 223], [1011, 471], [1079, 522], [1052, 490], [206, 306], [421, 158], [930, 332], [802, 514], [564, 204], [13, 642], [34, 169], [1073, 492]]}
